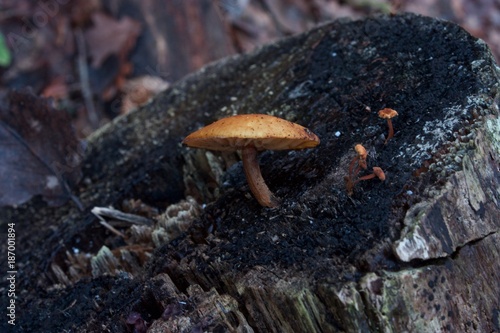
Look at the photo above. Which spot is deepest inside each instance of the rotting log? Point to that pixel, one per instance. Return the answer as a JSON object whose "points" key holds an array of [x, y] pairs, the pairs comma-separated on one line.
{"points": [[417, 252]]}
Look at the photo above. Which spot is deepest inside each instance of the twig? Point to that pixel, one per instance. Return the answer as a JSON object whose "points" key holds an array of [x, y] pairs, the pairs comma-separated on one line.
{"points": [[112, 229], [101, 212], [84, 79]]}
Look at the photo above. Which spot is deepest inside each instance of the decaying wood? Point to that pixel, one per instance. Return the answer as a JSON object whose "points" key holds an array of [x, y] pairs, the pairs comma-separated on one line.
{"points": [[417, 252]]}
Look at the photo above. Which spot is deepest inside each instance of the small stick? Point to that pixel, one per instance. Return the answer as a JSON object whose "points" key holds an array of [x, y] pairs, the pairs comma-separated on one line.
{"points": [[118, 215], [112, 229], [84, 79]]}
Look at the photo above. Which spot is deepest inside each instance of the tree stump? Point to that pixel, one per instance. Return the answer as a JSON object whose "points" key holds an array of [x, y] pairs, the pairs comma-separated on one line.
{"points": [[417, 252]]}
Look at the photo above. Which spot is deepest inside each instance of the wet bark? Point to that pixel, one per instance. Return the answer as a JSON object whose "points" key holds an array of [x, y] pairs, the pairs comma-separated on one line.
{"points": [[417, 252]]}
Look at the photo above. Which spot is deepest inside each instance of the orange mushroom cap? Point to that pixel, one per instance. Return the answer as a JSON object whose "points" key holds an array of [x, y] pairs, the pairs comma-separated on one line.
{"points": [[387, 113], [361, 151], [258, 130]]}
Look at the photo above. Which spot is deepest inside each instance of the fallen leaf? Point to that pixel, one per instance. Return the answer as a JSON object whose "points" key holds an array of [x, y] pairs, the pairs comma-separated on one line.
{"points": [[57, 89], [140, 90], [109, 36], [39, 153]]}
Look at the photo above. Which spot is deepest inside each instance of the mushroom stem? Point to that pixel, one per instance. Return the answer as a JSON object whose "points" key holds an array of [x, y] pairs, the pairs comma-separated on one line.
{"points": [[351, 165], [254, 178], [370, 176], [391, 131]]}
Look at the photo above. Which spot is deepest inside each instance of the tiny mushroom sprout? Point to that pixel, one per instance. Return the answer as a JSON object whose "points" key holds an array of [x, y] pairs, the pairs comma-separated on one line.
{"points": [[361, 158], [361, 151], [377, 172], [388, 114], [252, 133]]}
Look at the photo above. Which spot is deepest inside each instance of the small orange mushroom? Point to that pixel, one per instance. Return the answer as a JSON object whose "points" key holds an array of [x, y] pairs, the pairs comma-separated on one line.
{"points": [[362, 154], [252, 133], [377, 172], [361, 158], [388, 114]]}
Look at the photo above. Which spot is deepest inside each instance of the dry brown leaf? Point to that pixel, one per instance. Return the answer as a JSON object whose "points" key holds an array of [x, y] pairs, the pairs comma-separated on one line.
{"points": [[57, 89], [39, 153], [140, 90], [109, 36]]}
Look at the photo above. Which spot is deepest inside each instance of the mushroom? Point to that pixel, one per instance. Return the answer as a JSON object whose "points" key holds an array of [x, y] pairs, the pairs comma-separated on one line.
{"points": [[388, 114], [361, 158], [377, 172], [252, 133]]}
